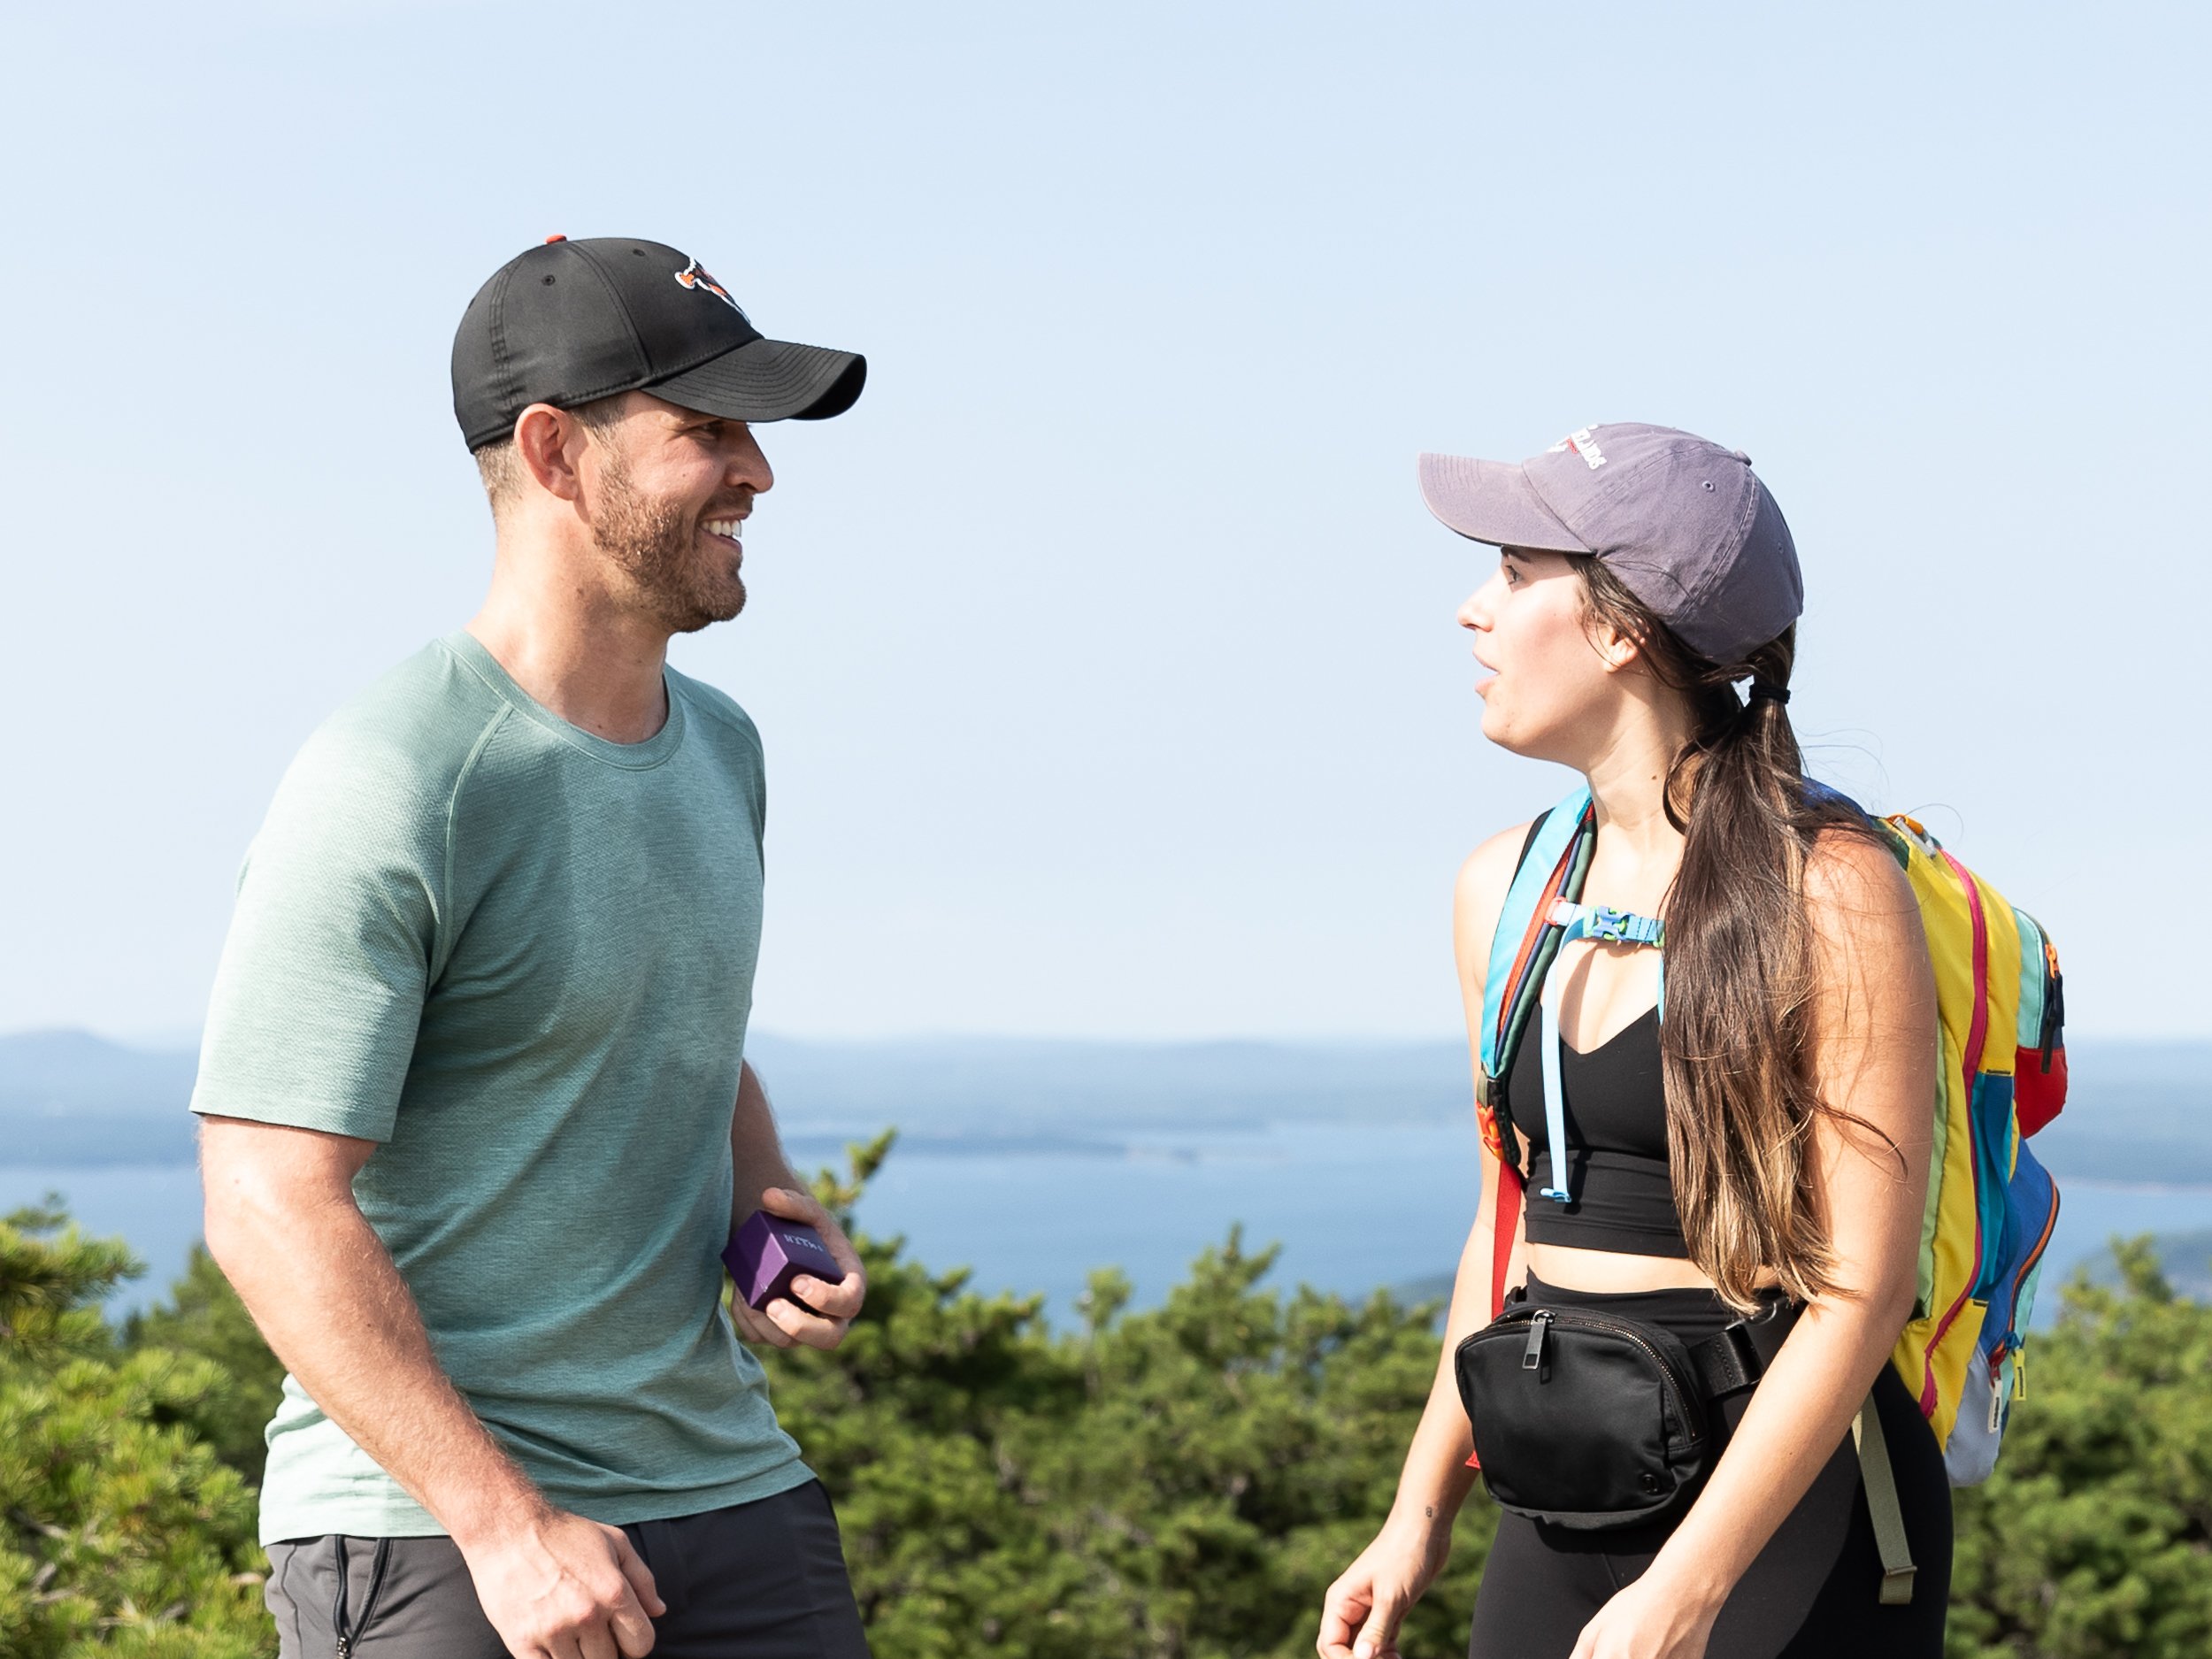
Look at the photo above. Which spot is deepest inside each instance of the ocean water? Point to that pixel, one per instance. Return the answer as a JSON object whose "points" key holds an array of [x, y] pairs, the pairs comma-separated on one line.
{"points": [[1354, 1208]]}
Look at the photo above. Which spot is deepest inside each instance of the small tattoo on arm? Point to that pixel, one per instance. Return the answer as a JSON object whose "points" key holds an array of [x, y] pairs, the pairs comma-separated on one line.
{"points": [[1429, 1509]]}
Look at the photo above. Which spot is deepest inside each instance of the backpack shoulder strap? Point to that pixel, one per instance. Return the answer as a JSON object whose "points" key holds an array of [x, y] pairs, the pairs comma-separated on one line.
{"points": [[1554, 862], [1883, 1506], [1554, 859]]}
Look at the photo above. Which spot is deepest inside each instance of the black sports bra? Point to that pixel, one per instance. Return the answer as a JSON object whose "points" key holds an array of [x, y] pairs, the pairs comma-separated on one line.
{"points": [[1617, 1138]]}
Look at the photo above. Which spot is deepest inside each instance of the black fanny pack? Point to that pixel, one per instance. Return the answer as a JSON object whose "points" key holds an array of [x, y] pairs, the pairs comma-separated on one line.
{"points": [[1587, 1420]]}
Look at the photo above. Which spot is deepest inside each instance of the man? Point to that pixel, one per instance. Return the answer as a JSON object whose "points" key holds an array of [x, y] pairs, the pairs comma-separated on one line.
{"points": [[476, 1121]]}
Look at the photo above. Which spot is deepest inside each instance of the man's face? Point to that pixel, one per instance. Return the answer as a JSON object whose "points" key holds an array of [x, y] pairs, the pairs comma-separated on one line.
{"points": [[673, 488]]}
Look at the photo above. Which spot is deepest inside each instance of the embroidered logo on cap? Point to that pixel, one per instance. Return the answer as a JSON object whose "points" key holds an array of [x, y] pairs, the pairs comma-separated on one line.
{"points": [[691, 277], [1584, 445]]}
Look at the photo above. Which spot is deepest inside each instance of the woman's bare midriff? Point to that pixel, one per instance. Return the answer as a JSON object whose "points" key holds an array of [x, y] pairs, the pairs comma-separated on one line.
{"points": [[1611, 1273]]}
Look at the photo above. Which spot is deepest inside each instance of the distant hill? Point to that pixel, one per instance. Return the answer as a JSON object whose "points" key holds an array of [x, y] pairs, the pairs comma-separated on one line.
{"points": [[976, 1085], [2140, 1112], [76, 1071], [2186, 1258], [2136, 1111], [70, 1097]]}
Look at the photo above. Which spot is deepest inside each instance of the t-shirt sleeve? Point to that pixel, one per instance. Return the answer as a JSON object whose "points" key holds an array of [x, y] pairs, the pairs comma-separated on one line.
{"points": [[319, 993]]}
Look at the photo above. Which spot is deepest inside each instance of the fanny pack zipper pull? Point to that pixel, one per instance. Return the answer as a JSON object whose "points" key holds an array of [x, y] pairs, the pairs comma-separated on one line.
{"points": [[1533, 1357]]}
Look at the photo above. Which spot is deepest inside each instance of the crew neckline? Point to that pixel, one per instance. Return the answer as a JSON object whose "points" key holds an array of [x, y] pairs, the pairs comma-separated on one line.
{"points": [[475, 655]]}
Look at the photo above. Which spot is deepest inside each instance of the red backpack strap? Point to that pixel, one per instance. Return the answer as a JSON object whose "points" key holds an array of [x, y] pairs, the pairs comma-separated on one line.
{"points": [[1509, 1226], [1506, 1208]]}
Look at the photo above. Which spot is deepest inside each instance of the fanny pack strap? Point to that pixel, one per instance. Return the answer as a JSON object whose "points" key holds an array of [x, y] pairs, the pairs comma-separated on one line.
{"points": [[1735, 1358]]}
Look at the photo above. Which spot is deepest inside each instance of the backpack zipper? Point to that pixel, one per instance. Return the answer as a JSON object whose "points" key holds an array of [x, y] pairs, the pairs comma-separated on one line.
{"points": [[2018, 1351], [2053, 1003]]}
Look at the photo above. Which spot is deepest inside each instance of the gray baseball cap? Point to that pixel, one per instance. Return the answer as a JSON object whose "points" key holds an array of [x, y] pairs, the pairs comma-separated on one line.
{"points": [[1686, 525]]}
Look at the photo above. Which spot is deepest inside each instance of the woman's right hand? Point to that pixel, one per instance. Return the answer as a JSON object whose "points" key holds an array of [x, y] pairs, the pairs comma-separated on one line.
{"points": [[1361, 1614]]}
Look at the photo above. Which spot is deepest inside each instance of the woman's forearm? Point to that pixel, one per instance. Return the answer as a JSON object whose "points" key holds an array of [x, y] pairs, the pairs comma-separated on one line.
{"points": [[1436, 1478], [1802, 1409]]}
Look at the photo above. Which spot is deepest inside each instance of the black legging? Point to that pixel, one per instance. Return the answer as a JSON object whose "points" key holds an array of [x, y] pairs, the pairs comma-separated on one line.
{"points": [[1813, 1590]]}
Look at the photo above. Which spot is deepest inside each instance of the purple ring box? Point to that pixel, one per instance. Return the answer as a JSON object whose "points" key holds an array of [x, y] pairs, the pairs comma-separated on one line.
{"points": [[769, 1252]]}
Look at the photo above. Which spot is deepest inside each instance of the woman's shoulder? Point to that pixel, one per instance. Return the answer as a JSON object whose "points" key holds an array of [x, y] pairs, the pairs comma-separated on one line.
{"points": [[1479, 893], [1858, 898], [1850, 870]]}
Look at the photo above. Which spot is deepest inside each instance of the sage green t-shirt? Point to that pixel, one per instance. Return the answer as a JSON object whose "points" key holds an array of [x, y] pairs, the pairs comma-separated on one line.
{"points": [[521, 957]]}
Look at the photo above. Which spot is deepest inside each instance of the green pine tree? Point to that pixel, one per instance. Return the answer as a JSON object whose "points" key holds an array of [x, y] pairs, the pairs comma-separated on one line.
{"points": [[1180, 1483], [2094, 1539], [205, 1316], [121, 1533], [1184, 1481]]}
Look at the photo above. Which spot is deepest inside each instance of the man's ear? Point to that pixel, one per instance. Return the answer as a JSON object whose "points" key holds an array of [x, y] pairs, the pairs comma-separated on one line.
{"points": [[549, 443]]}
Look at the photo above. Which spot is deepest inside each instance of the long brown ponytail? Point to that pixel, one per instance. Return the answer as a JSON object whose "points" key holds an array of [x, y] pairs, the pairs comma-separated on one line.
{"points": [[1736, 1043]]}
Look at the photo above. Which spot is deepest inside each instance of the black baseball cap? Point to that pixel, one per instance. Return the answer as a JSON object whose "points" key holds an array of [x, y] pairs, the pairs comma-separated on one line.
{"points": [[571, 321]]}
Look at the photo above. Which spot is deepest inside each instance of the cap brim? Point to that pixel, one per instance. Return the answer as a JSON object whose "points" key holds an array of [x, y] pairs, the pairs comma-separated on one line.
{"points": [[1492, 501], [769, 380]]}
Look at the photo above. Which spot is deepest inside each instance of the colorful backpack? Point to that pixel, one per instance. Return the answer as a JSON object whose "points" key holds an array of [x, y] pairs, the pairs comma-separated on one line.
{"points": [[2002, 1076]]}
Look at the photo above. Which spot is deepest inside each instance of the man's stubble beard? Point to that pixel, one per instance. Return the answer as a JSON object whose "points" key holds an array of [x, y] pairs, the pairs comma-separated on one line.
{"points": [[655, 544]]}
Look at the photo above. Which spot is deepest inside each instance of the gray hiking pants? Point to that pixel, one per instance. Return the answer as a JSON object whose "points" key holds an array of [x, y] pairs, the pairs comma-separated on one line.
{"points": [[763, 1580]]}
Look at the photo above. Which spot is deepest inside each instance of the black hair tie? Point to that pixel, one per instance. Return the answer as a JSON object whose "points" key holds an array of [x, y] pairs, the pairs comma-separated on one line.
{"points": [[1762, 691]]}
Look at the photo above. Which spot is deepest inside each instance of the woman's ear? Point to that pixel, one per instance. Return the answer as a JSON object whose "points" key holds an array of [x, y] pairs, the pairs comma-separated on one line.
{"points": [[1615, 648]]}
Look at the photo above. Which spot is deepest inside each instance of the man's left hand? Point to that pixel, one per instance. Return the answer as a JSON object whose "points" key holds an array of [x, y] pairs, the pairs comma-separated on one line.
{"points": [[829, 1309]]}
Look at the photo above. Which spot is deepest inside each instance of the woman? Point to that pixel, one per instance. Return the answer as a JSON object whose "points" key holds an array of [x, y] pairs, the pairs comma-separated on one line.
{"points": [[1765, 1145]]}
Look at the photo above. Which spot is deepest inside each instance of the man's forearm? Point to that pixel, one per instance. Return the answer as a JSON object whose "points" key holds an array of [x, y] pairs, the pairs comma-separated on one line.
{"points": [[755, 1152], [325, 1294]]}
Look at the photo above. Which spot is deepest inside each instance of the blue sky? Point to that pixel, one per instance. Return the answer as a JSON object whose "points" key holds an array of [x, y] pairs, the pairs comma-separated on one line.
{"points": [[1104, 654]]}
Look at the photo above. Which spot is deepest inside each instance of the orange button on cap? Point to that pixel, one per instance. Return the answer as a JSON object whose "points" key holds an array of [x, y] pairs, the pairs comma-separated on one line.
{"points": [[555, 237]]}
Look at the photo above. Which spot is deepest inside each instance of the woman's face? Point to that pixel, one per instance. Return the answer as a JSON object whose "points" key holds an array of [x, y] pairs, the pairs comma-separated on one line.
{"points": [[1549, 675]]}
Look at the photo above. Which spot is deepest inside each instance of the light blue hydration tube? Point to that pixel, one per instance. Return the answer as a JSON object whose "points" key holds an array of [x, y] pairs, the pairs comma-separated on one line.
{"points": [[1583, 921]]}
